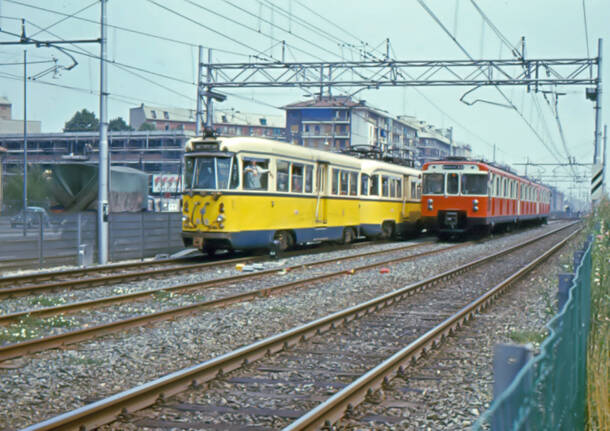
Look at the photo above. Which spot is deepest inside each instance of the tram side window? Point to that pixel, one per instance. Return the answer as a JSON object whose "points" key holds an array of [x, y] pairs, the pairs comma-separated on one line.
{"points": [[297, 178], [399, 187], [374, 185], [308, 179], [335, 182], [283, 169], [433, 184], [453, 184], [255, 174], [353, 183], [497, 187], [364, 185], [385, 186], [393, 187], [413, 190], [344, 178]]}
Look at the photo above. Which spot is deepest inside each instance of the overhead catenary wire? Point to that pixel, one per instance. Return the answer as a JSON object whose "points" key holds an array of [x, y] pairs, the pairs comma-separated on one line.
{"points": [[551, 150], [276, 26], [260, 31], [515, 52], [215, 31], [121, 28], [72, 15], [126, 68]]}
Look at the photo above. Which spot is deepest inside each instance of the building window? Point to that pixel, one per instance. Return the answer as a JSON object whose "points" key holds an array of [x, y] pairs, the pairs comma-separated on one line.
{"points": [[166, 115], [153, 113]]}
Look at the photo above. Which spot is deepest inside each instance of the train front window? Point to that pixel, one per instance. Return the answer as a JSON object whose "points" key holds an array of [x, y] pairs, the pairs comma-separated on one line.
{"points": [[211, 173], [434, 184], [473, 184], [453, 184]]}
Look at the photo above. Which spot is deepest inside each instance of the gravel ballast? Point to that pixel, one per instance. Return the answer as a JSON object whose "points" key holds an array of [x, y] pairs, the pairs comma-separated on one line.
{"points": [[99, 368]]}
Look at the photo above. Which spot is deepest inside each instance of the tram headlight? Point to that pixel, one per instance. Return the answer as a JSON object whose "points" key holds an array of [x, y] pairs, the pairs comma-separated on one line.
{"points": [[184, 219], [220, 218], [475, 205], [430, 204]]}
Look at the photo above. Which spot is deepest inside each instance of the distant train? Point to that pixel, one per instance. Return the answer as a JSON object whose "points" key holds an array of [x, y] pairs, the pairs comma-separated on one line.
{"points": [[459, 196], [246, 193]]}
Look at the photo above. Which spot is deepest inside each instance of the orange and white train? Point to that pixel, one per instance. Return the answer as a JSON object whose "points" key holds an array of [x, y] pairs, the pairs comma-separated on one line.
{"points": [[459, 196]]}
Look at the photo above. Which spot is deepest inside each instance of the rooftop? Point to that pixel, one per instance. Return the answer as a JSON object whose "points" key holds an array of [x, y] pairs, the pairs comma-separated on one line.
{"points": [[325, 102]]}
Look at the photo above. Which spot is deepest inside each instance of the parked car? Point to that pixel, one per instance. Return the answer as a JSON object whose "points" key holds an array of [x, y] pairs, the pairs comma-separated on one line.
{"points": [[31, 217]]}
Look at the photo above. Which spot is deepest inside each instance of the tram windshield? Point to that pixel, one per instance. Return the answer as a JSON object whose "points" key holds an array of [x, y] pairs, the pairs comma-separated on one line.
{"points": [[474, 184], [434, 184], [211, 173]]}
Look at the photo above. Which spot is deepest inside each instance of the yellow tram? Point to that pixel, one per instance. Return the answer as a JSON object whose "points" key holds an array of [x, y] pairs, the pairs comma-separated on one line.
{"points": [[244, 193], [390, 199]]}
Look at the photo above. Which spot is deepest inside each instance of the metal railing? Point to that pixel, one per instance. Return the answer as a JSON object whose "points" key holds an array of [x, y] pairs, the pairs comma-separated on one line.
{"points": [[549, 391], [70, 239]]}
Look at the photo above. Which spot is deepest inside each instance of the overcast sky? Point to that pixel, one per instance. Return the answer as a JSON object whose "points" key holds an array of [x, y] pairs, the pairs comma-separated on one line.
{"points": [[238, 29]]}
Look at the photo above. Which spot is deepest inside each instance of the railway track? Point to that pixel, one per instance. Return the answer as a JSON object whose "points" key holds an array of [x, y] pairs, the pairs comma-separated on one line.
{"points": [[19, 349], [319, 372], [12, 286]]}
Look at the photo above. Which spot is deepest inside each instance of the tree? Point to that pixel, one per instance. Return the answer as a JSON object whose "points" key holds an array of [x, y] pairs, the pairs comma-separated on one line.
{"points": [[38, 188], [147, 127], [117, 125], [82, 121]]}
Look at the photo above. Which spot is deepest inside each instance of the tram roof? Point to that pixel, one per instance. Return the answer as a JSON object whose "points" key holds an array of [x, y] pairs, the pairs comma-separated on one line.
{"points": [[370, 166], [279, 149]]}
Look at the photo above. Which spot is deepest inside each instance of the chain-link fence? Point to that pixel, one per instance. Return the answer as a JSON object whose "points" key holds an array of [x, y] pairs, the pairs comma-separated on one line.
{"points": [[44, 239], [549, 392]]}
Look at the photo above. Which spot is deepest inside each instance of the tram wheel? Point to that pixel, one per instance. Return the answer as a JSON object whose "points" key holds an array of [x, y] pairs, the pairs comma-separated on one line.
{"points": [[284, 238], [387, 230], [348, 235]]}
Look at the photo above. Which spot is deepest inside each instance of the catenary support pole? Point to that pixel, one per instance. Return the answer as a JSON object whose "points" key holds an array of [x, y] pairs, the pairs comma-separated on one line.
{"points": [[25, 140], [102, 191], [598, 103], [198, 116], [209, 107]]}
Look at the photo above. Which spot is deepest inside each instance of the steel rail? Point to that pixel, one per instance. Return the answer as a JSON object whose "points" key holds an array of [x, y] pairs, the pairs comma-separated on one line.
{"points": [[49, 275], [104, 279], [344, 401], [15, 350], [81, 305], [109, 409]]}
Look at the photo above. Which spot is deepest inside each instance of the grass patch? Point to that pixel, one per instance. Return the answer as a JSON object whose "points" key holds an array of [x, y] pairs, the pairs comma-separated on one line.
{"points": [[162, 295], [32, 327], [598, 353], [524, 337], [47, 302]]}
